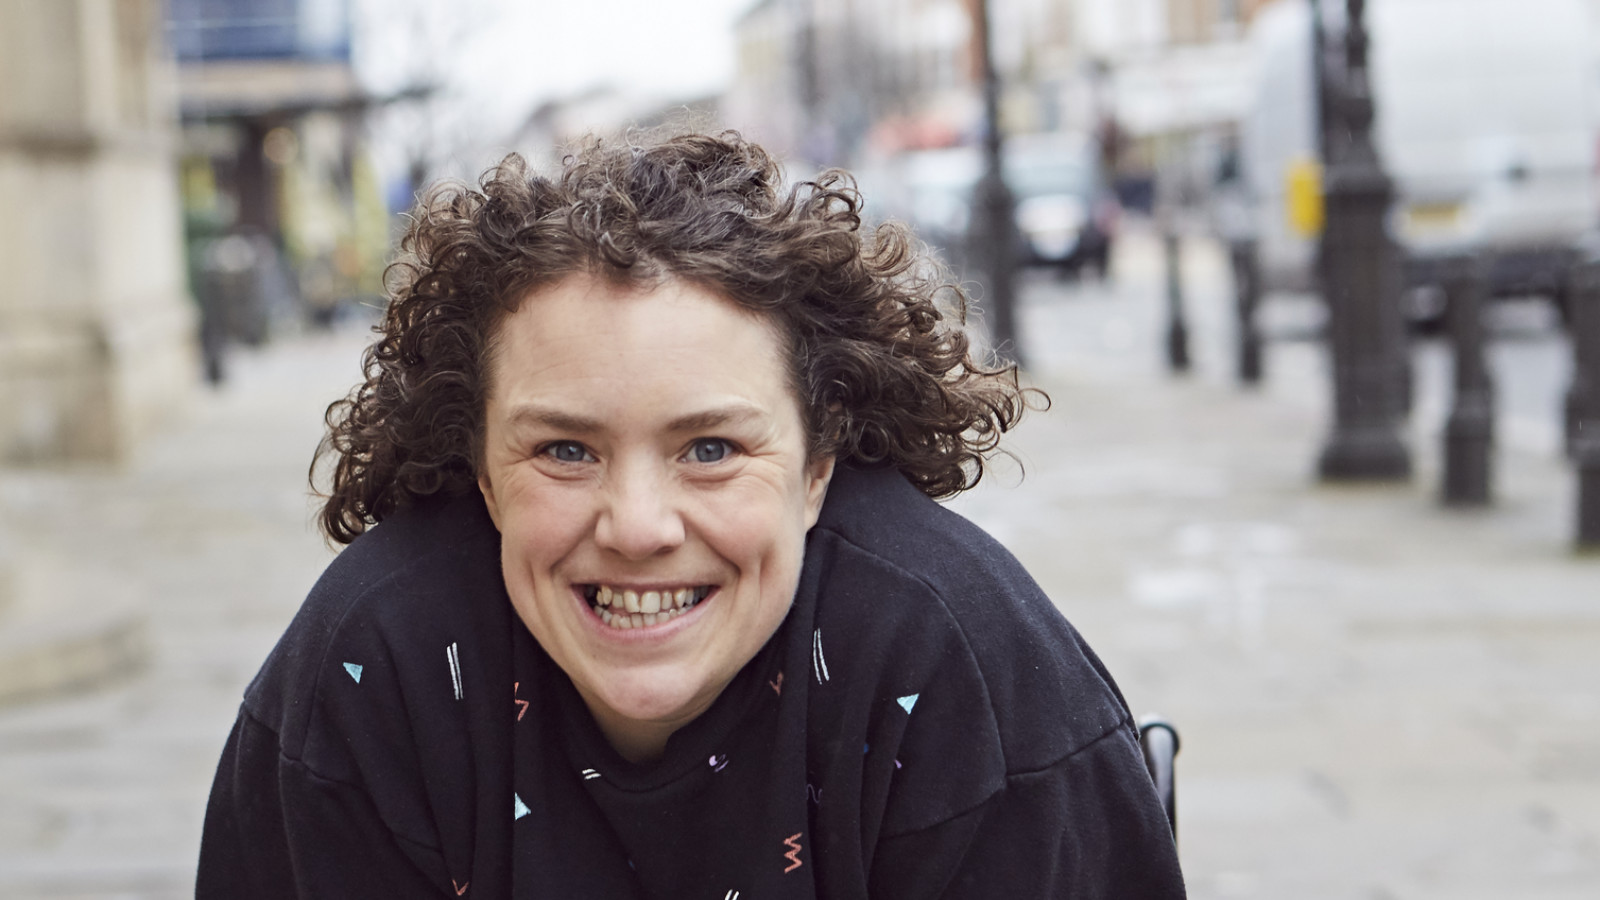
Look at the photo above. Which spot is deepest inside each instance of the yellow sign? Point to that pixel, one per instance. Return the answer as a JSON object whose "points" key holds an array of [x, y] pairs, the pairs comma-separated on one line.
{"points": [[1304, 197]]}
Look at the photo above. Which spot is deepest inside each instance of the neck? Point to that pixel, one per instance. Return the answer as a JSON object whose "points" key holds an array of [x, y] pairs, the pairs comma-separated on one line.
{"points": [[636, 742]]}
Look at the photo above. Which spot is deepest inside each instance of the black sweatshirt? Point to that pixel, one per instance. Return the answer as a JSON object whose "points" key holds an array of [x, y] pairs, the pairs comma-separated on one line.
{"points": [[923, 724]]}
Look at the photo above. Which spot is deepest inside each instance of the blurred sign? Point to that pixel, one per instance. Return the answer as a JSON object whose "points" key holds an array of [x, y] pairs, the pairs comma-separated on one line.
{"points": [[1304, 196]]}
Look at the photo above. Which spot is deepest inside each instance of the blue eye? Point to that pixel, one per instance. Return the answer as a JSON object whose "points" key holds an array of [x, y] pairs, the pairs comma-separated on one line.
{"points": [[567, 451], [709, 450]]}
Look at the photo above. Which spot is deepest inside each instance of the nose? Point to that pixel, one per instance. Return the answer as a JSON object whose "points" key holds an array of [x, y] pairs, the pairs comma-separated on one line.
{"points": [[639, 518]]}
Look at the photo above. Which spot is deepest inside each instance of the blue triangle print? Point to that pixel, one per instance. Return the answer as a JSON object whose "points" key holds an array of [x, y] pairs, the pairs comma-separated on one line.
{"points": [[521, 809], [354, 670], [908, 701]]}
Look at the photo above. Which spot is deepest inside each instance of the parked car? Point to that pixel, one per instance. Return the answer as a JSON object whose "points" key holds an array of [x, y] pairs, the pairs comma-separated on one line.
{"points": [[1066, 215]]}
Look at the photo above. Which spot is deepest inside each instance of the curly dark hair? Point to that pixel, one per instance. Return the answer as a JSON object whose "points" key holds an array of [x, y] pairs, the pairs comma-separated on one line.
{"points": [[884, 375]]}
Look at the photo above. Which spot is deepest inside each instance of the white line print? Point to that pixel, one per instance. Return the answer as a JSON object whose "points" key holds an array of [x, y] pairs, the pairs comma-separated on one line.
{"points": [[718, 762], [590, 774], [731, 895], [454, 657], [819, 663]]}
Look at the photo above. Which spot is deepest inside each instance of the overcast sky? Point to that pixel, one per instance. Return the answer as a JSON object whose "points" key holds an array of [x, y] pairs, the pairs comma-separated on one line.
{"points": [[506, 56]]}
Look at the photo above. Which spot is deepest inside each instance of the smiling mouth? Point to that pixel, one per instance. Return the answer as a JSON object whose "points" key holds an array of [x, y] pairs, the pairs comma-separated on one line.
{"points": [[626, 608]]}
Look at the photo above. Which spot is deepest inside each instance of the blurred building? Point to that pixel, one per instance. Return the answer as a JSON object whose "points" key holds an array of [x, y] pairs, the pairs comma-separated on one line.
{"points": [[285, 218], [96, 334], [1173, 64], [826, 80], [838, 81]]}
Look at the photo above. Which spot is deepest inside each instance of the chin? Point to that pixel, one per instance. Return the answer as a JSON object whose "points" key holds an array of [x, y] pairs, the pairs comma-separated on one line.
{"points": [[641, 696]]}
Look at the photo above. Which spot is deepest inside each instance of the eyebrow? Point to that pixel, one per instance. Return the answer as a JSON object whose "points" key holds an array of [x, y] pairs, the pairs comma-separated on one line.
{"points": [[553, 419], [736, 413], [532, 415]]}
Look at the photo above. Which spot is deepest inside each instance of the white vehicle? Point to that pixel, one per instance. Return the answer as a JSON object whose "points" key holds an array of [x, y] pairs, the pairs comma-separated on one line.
{"points": [[1485, 121]]}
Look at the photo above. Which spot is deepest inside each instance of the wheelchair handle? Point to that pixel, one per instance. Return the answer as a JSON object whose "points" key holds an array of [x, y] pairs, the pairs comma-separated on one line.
{"points": [[1159, 741]]}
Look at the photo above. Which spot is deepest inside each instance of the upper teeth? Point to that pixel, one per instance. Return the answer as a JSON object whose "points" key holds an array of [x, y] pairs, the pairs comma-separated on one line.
{"points": [[647, 602]]}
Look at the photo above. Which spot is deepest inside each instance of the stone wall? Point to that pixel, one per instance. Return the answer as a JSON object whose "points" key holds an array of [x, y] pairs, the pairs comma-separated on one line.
{"points": [[96, 329]]}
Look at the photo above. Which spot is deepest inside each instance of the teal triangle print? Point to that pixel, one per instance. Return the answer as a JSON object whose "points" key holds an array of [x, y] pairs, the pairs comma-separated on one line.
{"points": [[521, 809], [908, 701], [354, 670]]}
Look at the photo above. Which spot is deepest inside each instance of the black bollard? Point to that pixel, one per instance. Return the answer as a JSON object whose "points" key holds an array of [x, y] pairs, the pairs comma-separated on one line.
{"points": [[1177, 327], [1469, 433], [1247, 293], [1580, 394], [1584, 399]]}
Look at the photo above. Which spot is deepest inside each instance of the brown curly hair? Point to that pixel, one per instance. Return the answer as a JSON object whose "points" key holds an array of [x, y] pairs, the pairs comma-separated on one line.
{"points": [[882, 374]]}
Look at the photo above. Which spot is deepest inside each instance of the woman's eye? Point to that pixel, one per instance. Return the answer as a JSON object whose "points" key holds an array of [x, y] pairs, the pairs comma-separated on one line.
{"points": [[566, 451], [709, 450]]}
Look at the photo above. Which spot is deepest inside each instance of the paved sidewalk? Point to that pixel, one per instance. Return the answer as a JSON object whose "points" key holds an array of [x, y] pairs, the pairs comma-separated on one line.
{"points": [[102, 791], [1378, 698]]}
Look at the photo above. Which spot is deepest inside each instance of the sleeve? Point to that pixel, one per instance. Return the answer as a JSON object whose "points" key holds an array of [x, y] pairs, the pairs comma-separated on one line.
{"points": [[1088, 827], [275, 829]]}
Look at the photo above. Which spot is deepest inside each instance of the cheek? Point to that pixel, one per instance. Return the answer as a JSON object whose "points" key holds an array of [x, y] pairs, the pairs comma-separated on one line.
{"points": [[764, 537], [540, 524]]}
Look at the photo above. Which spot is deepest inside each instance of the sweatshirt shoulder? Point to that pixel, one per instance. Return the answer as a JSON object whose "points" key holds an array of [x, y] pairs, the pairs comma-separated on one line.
{"points": [[399, 580], [1047, 692]]}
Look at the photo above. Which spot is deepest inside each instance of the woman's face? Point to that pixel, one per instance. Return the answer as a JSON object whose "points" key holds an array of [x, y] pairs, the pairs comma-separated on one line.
{"points": [[644, 451]]}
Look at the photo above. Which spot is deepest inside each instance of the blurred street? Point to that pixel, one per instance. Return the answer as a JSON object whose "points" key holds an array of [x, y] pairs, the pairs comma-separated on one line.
{"points": [[1378, 698]]}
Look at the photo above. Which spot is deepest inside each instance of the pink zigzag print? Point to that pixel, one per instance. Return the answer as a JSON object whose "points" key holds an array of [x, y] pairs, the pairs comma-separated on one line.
{"points": [[793, 856], [515, 685]]}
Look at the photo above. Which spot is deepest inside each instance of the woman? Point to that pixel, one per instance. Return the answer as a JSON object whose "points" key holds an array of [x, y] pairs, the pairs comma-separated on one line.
{"points": [[658, 603]]}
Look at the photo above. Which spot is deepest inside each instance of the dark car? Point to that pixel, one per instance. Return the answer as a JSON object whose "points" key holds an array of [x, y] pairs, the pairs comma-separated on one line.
{"points": [[1066, 215]]}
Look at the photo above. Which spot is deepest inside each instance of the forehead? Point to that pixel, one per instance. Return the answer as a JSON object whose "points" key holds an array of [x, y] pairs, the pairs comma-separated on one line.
{"points": [[583, 304], [586, 340]]}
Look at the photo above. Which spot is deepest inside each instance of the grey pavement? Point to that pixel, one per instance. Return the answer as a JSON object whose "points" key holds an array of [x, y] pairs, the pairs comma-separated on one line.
{"points": [[102, 792], [1379, 698]]}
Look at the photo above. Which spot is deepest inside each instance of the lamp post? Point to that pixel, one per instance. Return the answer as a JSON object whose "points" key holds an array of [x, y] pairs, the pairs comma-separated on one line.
{"points": [[1361, 276], [994, 225]]}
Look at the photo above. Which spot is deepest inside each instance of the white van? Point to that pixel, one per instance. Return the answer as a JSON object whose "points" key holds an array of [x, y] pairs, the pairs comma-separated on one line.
{"points": [[1486, 118]]}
